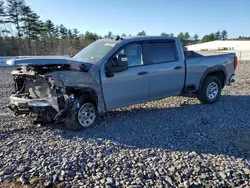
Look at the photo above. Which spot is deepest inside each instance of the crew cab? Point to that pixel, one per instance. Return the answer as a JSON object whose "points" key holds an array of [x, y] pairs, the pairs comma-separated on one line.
{"points": [[113, 73]]}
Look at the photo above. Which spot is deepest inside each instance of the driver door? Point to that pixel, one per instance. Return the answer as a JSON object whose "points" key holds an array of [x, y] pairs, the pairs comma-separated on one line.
{"points": [[130, 86]]}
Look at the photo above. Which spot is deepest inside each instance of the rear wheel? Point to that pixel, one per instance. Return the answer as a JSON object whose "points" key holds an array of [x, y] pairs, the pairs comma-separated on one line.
{"points": [[210, 90], [83, 117]]}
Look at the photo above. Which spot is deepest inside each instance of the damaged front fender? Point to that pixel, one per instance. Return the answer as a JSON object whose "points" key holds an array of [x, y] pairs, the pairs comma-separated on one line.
{"points": [[82, 81], [41, 85]]}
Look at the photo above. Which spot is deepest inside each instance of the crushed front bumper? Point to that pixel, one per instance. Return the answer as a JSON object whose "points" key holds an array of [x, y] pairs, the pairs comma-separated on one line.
{"points": [[23, 106]]}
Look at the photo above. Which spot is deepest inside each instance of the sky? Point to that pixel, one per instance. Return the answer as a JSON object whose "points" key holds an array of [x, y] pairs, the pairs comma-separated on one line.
{"points": [[154, 16]]}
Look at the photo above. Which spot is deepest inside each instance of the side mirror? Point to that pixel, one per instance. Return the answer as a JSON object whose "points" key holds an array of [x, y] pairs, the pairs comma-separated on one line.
{"points": [[122, 60], [120, 64]]}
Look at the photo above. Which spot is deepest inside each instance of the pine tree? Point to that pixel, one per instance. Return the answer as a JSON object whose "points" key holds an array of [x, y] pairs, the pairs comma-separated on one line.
{"points": [[2, 11], [186, 36], [2, 29], [196, 37], [38, 29], [218, 35], [182, 37], [224, 34], [56, 31], [110, 34], [91, 37], [50, 29], [63, 33], [207, 38], [2, 14], [76, 39], [1, 21], [70, 34], [142, 33], [56, 35], [14, 12], [164, 34], [27, 19], [171, 34]]}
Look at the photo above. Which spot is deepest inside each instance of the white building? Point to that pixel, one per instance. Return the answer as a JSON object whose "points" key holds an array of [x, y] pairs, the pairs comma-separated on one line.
{"points": [[240, 47]]}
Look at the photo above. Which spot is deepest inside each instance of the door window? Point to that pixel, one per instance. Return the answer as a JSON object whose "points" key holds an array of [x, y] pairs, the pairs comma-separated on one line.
{"points": [[162, 52], [133, 53]]}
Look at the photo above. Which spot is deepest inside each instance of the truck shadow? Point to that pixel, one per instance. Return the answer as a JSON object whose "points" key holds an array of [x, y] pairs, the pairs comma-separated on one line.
{"points": [[221, 128]]}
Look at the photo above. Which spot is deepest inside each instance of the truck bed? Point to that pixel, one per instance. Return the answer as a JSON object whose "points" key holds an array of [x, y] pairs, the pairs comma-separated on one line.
{"points": [[197, 63], [198, 54]]}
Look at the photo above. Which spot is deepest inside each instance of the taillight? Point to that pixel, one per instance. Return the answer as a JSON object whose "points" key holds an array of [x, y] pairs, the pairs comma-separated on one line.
{"points": [[236, 61]]}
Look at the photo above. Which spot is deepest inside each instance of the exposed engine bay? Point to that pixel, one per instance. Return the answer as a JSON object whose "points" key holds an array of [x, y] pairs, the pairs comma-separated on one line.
{"points": [[50, 91]]}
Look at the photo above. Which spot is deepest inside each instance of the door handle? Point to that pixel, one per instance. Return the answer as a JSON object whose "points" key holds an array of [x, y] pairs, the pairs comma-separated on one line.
{"points": [[142, 73], [178, 67]]}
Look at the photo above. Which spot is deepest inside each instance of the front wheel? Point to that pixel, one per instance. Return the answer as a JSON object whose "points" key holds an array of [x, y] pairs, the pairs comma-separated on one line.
{"points": [[83, 117], [210, 90]]}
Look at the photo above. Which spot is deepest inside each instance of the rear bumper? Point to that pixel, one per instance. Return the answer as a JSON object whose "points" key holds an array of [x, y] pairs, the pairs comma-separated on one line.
{"points": [[22, 106], [231, 79]]}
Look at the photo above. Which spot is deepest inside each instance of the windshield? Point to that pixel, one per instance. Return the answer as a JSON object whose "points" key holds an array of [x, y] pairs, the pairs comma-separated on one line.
{"points": [[95, 51]]}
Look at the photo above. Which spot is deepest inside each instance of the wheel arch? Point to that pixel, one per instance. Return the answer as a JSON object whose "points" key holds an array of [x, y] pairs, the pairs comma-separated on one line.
{"points": [[89, 93], [218, 71], [72, 119], [85, 92]]}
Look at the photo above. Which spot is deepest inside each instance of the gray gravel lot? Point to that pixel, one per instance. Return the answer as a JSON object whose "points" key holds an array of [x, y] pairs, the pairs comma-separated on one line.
{"points": [[175, 142]]}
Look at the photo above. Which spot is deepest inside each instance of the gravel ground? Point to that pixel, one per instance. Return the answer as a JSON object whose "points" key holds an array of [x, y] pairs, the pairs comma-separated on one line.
{"points": [[175, 142]]}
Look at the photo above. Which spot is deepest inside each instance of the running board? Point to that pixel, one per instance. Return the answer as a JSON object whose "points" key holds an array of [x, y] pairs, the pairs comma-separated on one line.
{"points": [[188, 92]]}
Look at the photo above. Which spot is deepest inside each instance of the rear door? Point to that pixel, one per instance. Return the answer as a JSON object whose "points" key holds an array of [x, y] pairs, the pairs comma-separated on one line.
{"points": [[167, 70]]}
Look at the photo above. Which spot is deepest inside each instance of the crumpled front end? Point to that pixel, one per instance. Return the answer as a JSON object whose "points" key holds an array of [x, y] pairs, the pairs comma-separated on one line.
{"points": [[33, 94], [53, 90]]}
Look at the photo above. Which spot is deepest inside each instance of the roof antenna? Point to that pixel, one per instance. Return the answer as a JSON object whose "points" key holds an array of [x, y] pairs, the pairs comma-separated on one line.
{"points": [[118, 37]]}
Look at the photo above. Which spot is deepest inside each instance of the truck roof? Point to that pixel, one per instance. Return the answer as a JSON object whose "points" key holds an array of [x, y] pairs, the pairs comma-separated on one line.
{"points": [[139, 38], [147, 37]]}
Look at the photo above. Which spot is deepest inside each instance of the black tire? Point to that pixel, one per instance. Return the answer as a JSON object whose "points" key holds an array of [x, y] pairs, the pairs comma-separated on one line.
{"points": [[203, 95], [72, 122]]}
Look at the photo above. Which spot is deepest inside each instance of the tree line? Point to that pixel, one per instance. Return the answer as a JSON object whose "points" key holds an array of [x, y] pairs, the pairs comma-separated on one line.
{"points": [[22, 32], [187, 39]]}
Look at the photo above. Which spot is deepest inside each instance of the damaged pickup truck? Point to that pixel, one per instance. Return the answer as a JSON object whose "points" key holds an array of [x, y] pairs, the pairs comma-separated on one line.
{"points": [[113, 73]]}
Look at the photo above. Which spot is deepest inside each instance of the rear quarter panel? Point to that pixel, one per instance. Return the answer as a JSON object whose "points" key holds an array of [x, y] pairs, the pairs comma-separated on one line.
{"points": [[199, 67]]}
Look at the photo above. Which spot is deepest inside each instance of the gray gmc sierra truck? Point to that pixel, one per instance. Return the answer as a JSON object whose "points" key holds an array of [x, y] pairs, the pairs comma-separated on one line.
{"points": [[112, 73]]}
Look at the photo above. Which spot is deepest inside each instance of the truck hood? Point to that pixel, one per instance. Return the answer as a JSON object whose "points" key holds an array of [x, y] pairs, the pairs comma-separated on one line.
{"points": [[43, 60]]}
